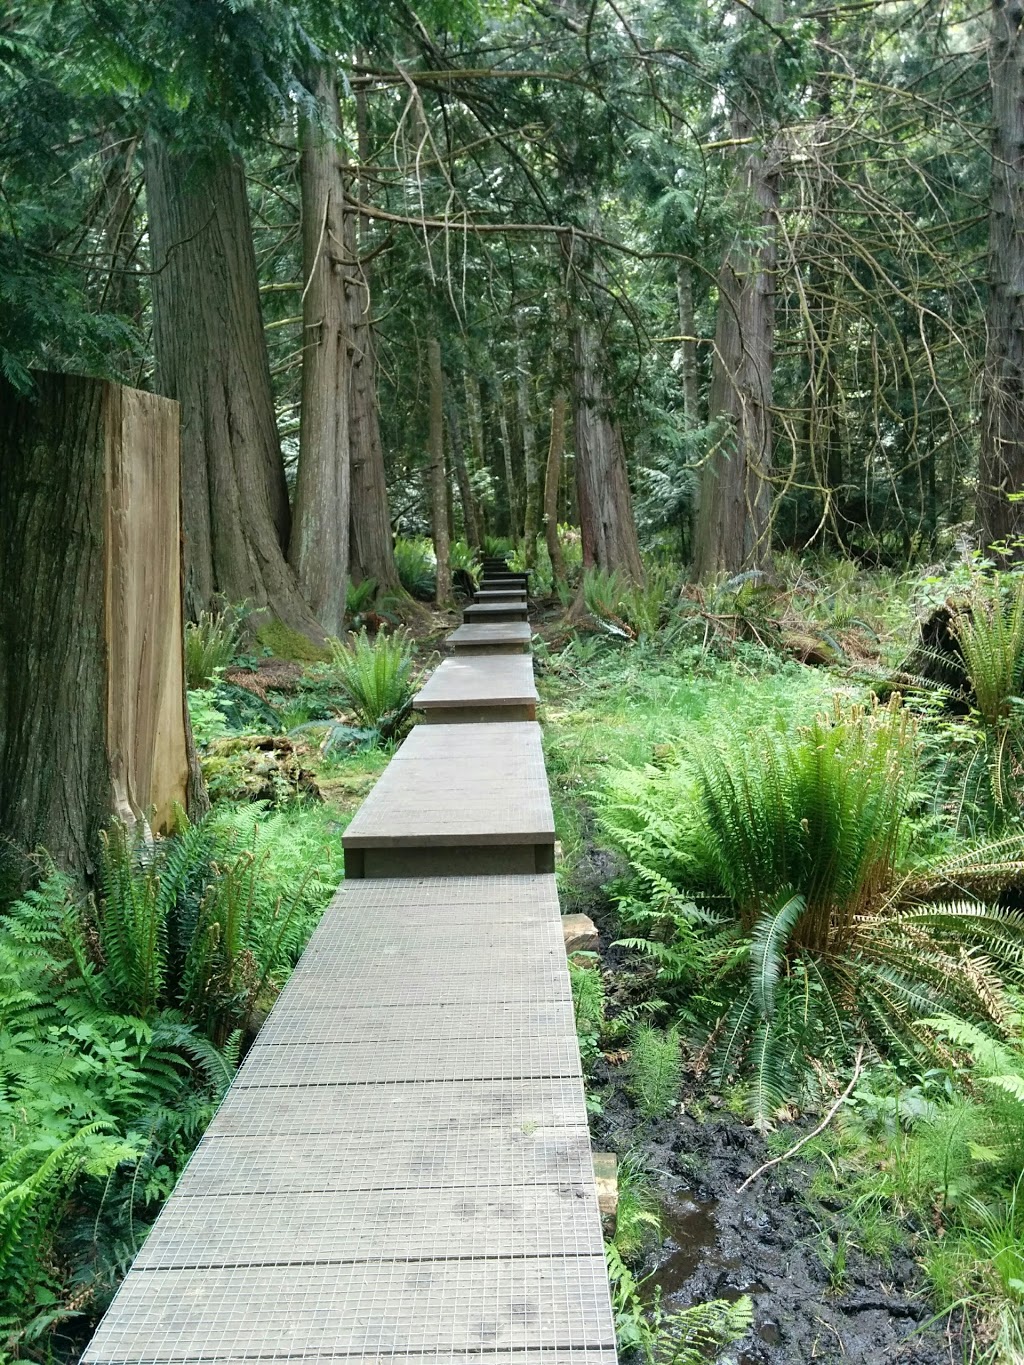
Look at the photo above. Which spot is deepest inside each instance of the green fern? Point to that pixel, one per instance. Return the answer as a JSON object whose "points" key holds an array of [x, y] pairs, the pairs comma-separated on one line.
{"points": [[655, 1070], [376, 676]]}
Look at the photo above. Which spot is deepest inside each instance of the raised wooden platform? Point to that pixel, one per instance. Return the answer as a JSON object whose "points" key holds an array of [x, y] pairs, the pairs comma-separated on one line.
{"points": [[463, 800], [496, 611], [491, 637], [401, 1172], [480, 688]]}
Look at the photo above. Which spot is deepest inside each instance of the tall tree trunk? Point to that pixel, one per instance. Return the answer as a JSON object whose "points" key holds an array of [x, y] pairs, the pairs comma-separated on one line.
{"points": [[93, 716], [688, 345], [320, 520], [510, 476], [531, 473], [372, 548], [1001, 462], [211, 355], [475, 422], [469, 513], [607, 526], [438, 483], [552, 478], [733, 526]]}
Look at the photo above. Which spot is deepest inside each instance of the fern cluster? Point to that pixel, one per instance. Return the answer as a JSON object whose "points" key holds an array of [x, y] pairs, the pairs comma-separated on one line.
{"points": [[791, 898], [375, 676], [120, 1021]]}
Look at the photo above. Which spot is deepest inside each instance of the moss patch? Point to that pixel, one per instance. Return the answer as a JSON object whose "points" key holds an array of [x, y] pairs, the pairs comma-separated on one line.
{"points": [[285, 643]]}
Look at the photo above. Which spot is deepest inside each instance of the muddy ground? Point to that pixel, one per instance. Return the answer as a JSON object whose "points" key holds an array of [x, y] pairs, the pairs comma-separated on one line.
{"points": [[774, 1242]]}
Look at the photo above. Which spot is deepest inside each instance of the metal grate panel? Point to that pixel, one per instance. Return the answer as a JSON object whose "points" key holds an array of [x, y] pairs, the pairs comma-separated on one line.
{"points": [[381, 1307]]}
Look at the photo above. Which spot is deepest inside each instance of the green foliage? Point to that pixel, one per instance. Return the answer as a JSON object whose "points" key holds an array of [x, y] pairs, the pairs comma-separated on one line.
{"points": [[637, 1217], [375, 676], [417, 570], [359, 597], [210, 645], [119, 1026], [789, 897], [691, 1336], [990, 632], [634, 611], [589, 1005], [655, 1070]]}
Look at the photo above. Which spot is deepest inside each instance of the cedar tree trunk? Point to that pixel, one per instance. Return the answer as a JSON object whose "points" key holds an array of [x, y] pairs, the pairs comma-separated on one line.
{"points": [[372, 548], [437, 481], [733, 524], [318, 550], [607, 527], [552, 479], [93, 715], [1001, 462], [211, 355], [469, 514], [531, 473]]}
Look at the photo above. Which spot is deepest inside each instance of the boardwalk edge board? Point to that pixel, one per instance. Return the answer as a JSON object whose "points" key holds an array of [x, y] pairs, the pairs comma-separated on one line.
{"points": [[401, 1169]]}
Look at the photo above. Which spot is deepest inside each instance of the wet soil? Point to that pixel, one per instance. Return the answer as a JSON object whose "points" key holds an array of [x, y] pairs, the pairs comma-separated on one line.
{"points": [[775, 1241]]}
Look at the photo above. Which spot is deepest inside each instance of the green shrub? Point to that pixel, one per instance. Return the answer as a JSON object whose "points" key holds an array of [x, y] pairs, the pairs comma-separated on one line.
{"points": [[359, 596], [655, 1070], [635, 611], [119, 1025], [210, 645], [588, 1004], [637, 1217], [417, 570], [375, 676], [803, 871]]}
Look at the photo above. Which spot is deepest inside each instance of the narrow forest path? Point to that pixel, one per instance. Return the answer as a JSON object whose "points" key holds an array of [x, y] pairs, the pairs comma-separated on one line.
{"points": [[402, 1166]]}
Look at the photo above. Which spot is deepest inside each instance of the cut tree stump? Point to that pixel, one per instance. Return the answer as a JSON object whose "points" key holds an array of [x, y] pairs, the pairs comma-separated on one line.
{"points": [[93, 715]]}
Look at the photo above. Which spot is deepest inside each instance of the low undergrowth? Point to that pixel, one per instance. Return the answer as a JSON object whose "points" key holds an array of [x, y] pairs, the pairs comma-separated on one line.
{"points": [[810, 897]]}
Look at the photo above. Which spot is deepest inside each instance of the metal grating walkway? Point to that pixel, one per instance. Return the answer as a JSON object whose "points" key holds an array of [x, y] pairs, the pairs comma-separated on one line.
{"points": [[401, 1171]]}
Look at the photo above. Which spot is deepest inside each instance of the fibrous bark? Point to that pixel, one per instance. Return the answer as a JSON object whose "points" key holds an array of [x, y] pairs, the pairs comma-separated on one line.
{"points": [[211, 356], [93, 717], [319, 546], [607, 525], [372, 547], [733, 530], [1001, 465], [506, 452], [552, 478], [436, 475], [531, 473], [470, 520]]}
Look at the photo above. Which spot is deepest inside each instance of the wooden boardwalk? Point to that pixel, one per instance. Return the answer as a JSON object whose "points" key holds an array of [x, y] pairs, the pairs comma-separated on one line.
{"points": [[491, 637], [480, 687], [401, 1170]]}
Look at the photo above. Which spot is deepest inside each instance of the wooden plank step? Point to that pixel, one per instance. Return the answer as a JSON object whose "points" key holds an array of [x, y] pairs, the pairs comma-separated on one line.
{"points": [[491, 637], [500, 595], [457, 800], [496, 611], [489, 687]]}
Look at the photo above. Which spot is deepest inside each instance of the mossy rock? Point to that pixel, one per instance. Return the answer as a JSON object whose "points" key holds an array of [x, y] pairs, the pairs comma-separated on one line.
{"points": [[285, 643]]}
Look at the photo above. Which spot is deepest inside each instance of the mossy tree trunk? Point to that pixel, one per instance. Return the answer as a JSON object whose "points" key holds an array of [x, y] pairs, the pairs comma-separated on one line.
{"points": [[552, 479]]}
